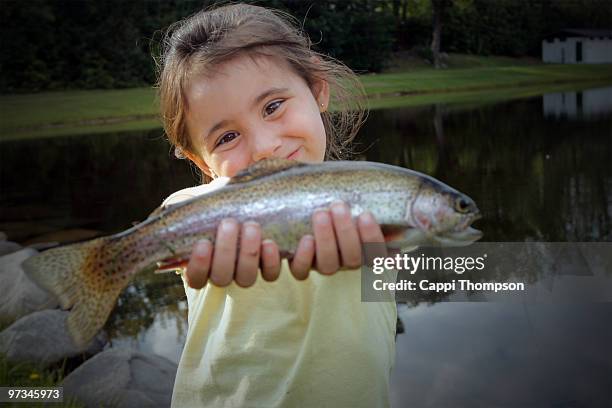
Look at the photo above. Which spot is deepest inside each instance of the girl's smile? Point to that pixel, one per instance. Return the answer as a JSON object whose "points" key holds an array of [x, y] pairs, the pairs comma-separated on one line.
{"points": [[254, 108]]}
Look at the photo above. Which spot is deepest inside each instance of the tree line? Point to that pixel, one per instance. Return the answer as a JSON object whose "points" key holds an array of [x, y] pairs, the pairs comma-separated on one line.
{"points": [[88, 44]]}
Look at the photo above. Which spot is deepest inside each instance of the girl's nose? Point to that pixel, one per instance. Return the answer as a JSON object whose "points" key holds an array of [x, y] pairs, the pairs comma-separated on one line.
{"points": [[265, 145]]}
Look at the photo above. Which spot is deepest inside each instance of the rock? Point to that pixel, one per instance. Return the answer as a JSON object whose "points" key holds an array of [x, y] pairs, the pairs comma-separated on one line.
{"points": [[8, 247], [2, 236], [21, 230], [399, 326], [35, 211], [122, 378], [64, 236], [41, 246], [42, 338], [20, 296]]}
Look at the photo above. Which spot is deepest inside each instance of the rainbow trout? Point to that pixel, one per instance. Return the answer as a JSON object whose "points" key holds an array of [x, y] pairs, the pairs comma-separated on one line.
{"points": [[412, 209]]}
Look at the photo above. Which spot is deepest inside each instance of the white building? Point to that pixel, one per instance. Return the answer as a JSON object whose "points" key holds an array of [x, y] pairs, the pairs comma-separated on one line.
{"points": [[578, 47], [588, 103]]}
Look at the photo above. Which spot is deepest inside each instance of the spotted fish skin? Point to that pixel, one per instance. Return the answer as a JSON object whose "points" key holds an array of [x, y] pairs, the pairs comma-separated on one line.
{"points": [[280, 195]]}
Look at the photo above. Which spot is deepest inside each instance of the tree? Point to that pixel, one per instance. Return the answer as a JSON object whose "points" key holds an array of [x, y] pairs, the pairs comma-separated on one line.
{"points": [[438, 9]]}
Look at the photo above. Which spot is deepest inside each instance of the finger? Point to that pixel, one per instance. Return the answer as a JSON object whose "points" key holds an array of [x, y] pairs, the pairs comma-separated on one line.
{"points": [[326, 249], [270, 260], [369, 230], [371, 237], [346, 235], [198, 266], [224, 255], [248, 258], [303, 258]]}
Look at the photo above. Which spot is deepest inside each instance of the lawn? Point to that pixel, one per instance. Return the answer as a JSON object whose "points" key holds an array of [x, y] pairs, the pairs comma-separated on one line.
{"points": [[481, 78], [468, 78], [30, 375]]}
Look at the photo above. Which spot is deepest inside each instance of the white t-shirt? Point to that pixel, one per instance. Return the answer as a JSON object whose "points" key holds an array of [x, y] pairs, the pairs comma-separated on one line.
{"points": [[287, 343]]}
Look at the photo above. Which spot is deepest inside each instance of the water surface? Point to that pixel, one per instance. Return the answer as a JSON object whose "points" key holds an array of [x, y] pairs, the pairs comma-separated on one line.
{"points": [[538, 168]]}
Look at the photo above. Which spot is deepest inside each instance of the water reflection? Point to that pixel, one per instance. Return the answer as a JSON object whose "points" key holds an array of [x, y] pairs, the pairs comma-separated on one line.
{"points": [[532, 177], [535, 177], [102, 182], [496, 354], [149, 297], [580, 104]]}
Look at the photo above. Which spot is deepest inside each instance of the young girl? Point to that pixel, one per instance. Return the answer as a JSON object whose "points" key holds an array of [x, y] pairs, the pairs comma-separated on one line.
{"points": [[240, 84]]}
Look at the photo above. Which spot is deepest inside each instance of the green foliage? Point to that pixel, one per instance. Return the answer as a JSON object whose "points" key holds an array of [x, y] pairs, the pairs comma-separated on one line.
{"points": [[87, 44], [504, 27], [359, 33], [496, 27], [30, 375], [516, 27], [62, 44], [356, 33], [425, 53]]}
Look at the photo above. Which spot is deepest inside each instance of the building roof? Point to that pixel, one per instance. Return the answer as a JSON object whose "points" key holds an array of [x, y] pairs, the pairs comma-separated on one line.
{"points": [[579, 32]]}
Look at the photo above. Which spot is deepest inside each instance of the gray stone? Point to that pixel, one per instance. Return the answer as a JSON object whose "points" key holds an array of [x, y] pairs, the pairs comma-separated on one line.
{"points": [[122, 378], [63, 236], [22, 230], [8, 247], [20, 296], [42, 337], [2, 236], [41, 246]]}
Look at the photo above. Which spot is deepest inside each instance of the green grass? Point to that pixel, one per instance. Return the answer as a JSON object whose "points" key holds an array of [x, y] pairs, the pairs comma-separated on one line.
{"points": [[150, 122], [407, 61], [29, 375], [467, 79], [51, 109], [470, 79]]}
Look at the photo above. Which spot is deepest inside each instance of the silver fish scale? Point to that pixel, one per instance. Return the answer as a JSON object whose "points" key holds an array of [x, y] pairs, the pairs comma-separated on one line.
{"points": [[282, 203]]}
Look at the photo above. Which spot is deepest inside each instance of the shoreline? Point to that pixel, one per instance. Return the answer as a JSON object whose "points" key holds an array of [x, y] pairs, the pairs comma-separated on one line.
{"points": [[64, 113]]}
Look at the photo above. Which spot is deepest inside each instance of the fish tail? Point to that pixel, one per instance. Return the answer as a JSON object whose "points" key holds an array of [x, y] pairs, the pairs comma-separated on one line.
{"points": [[84, 278]]}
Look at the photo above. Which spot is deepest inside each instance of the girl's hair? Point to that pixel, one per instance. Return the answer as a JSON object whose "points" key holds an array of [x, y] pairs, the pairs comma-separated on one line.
{"points": [[197, 44]]}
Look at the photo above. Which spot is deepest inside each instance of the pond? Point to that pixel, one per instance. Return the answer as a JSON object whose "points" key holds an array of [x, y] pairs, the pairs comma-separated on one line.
{"points": [[539, 169]]}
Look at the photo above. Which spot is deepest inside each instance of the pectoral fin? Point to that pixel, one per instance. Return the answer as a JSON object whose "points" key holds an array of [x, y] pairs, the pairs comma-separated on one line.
{"points": [[171, 265]]}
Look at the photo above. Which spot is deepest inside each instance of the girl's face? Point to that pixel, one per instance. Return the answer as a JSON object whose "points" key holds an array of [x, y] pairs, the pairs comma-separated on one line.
{"points": [[254, 109]]}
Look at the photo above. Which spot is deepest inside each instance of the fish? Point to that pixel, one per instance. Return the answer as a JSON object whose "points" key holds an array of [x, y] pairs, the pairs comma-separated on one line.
{"points": [[281, 195]]}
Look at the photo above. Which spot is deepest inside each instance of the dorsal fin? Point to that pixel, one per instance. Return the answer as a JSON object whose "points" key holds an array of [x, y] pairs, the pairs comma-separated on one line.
{"points": [[156, 212], [264, 168]]}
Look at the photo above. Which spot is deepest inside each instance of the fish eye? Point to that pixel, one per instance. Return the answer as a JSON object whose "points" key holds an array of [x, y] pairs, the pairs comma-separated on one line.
{"points": [[462, 205]]}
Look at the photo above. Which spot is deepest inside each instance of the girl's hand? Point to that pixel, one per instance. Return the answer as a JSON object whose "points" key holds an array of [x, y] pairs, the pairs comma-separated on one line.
{"points": [[336, 243], [224, 262]]}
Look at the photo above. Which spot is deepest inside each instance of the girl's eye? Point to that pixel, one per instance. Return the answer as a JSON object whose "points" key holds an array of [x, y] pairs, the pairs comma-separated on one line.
{"points": [[272, 107], [226, 138]]}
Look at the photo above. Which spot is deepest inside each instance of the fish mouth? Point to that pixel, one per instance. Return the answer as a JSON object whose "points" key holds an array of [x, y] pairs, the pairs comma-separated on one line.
{"points": [[414, 238], [402, 237], [466, 223], [464, 235], [459, 238], [411, 237]]}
